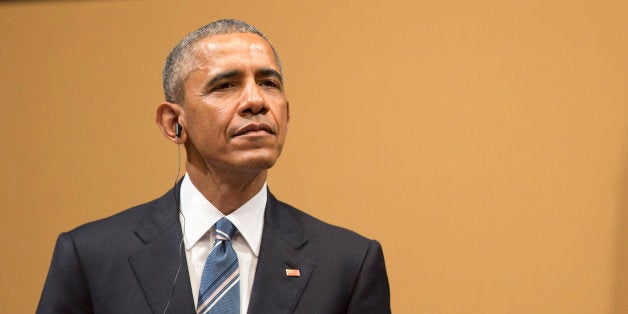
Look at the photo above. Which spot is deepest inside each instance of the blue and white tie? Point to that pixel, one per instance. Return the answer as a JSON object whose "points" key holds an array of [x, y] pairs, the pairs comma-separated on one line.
{"points": [[220, 283]]}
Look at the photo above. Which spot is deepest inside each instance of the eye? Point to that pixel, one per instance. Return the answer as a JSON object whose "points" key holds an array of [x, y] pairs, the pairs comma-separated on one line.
{"points": [[270, 84], [223, 86]]}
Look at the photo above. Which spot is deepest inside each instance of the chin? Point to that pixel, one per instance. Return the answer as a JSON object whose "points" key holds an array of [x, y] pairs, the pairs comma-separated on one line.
{"points": [[254, 165], [257, 162]]}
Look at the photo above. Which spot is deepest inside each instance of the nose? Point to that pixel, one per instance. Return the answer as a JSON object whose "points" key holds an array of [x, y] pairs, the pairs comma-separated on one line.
{"points": [[253, 102]]}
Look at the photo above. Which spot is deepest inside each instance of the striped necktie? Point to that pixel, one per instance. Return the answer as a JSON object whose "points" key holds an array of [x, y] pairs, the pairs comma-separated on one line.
{"points": [[220, 282]]}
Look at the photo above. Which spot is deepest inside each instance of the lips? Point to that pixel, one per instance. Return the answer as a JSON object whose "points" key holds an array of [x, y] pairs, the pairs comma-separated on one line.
{"points": [[254, 128]]}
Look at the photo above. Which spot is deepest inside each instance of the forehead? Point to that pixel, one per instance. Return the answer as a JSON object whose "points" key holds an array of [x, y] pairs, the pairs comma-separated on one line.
{"points": [[236, 49]]}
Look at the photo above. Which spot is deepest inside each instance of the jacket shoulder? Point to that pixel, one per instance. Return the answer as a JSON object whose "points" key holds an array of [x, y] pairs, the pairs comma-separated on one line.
{"points": [[121, 226], [322, 234]]}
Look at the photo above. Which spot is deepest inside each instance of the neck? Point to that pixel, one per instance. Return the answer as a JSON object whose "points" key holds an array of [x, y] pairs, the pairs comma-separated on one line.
{"points": [[226, 190]]}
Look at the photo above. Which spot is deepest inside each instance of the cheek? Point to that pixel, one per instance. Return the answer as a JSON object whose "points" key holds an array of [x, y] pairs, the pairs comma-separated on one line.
{"points": [[207, 116], [281, 111], [285, 117], [204, 126]]}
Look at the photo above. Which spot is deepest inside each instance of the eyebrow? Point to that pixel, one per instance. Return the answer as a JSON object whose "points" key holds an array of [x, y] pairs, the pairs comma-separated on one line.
{"points": [[222, 76], [235, 73], [270, 72]]}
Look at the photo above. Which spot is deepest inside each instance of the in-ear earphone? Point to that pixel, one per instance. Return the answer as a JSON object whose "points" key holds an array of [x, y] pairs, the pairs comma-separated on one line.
{"points": [[177, 129], [177, 133]]}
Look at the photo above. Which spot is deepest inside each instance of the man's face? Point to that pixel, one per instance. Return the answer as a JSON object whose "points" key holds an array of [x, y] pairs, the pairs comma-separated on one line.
{"points": [[235, 110]]}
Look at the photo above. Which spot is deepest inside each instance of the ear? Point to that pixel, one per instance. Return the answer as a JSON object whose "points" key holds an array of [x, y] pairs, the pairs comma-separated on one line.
{"points": [[288, 111], [169, 114]]}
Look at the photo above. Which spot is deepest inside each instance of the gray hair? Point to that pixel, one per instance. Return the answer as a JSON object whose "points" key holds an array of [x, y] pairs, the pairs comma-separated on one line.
{"points": [[181, 60]]}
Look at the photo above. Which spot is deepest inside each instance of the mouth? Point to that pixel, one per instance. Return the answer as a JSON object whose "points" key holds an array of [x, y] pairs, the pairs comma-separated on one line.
{"points": [[255, 129]]}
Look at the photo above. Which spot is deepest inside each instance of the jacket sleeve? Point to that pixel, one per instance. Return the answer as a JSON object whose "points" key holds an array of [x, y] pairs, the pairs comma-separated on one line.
{"points": [[371, 292], [65, 290]]}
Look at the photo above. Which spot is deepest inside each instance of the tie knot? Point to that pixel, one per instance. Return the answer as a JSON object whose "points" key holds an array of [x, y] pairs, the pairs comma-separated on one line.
{"points": [[224, 229]]}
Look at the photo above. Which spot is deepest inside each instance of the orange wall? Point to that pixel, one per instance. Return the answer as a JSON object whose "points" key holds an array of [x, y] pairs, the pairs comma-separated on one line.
{"points": [[484, 143]]}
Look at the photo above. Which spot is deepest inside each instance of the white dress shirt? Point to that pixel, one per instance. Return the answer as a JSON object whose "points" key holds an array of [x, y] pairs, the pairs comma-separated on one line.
{"points": [[197, 222]]}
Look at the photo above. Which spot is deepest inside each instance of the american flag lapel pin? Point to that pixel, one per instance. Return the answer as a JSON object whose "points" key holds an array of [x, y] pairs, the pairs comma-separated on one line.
{"points": [[292, 272]]}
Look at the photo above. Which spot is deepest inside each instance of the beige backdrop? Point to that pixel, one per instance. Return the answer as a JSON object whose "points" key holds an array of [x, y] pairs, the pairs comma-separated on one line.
{"points": [[484, 143]]}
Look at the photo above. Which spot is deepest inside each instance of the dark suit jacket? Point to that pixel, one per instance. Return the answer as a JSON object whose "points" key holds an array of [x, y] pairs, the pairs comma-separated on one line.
{"points": [[127, 263]]}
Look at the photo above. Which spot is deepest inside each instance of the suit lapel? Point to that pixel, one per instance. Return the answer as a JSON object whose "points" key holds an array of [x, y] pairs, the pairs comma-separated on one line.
{"points": [[157, 263], [282, 239]]}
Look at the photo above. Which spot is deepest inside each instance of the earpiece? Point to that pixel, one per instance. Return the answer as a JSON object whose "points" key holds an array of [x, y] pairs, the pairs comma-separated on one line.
{"points": [[177, 133], [177, 129]]}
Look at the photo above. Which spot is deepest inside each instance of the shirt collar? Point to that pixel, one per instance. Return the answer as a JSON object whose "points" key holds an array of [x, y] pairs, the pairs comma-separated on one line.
{"points": [[199, 215]]}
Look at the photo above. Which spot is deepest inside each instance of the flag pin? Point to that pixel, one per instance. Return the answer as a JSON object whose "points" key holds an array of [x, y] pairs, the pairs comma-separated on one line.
{"points": [[293, 272]]}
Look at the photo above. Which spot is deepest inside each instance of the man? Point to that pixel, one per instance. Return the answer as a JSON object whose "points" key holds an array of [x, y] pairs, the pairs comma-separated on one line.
{"points": [[219, 242]]}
